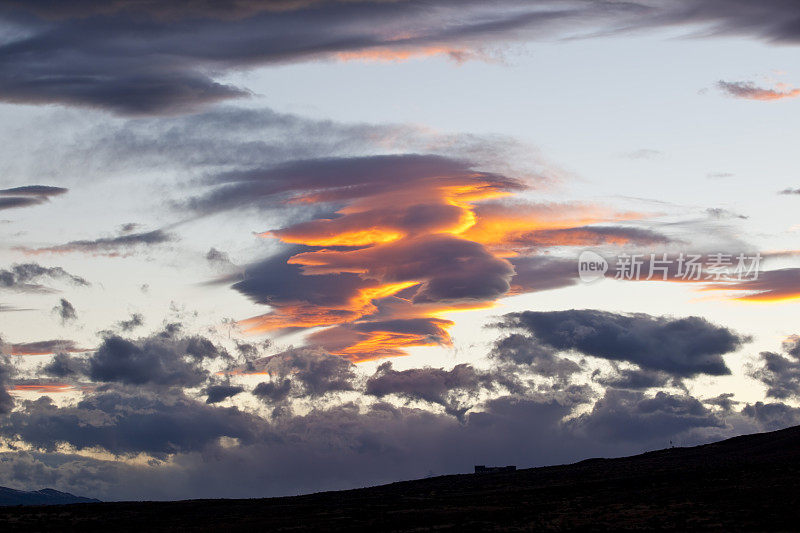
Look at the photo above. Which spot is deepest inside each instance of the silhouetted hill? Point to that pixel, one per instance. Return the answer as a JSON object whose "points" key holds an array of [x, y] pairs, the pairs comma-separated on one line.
{"points": [[39, 497], [744, 483]]}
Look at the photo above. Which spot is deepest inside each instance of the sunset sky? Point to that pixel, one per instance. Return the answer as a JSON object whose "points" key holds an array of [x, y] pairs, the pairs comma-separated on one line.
{"points": [[266, 248]]}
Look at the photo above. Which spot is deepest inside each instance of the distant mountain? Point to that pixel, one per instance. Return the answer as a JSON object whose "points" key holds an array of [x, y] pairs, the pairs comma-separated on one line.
{"points": [[39, 497], [747, 483]]}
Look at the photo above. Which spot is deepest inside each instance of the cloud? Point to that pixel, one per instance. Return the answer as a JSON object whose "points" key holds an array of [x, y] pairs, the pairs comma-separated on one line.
{"points": [[769, 286], [627, 415], [448, 388], [10, 203], [107, 245], [46, 347], [750, 91], [161, 360], [218, 393], [536, 357], [124, 422], [718, 212], [790, 191], [24, 277], [780, 372], [335, 447], [34, 190], [28, 195], [274, 391], [136, 320], [635, 379], [6, 371], [312, 372], [71, 58], [682, 347], [63, 365], [65, 311]]}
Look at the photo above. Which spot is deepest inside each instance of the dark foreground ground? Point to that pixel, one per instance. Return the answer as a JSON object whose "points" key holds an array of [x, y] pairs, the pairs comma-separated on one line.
{"points": [[747, 483]]}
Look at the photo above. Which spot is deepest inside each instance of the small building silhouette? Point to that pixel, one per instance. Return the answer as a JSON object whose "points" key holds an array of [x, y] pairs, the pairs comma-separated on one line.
{"points": [[483, 469]]}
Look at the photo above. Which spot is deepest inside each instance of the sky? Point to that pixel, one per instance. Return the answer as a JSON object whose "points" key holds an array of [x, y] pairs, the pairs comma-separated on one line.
{"points": [[256, 249]]}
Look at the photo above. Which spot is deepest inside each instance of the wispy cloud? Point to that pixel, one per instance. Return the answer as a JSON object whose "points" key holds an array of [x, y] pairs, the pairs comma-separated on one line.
{"points": [[111, 246], [750, 91]]}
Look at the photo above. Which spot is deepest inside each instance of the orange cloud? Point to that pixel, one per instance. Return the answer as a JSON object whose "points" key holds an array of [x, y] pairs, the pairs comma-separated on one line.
{"points": [[46, 347], [750, 91], [411, 239], [387, 55]]}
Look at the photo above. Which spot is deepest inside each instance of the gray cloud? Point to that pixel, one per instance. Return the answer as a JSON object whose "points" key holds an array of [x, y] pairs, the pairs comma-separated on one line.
{"points": [[65, 311], [132, 323], [635, 379], [34, 190], [780, 372], [63, 365], [536, 357], [95, 57], [108, 245], [25, 277], [6, 371], [448, 388], [683, 347], [125, 422], [274, 391], [28, 195], [164, 359], [316, 372]]}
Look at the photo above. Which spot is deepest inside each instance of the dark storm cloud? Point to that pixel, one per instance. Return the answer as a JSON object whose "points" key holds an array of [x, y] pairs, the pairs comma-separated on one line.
{"points": [[218, 393], [274, 391], [434, 385], [538, 358], [65, 311], [24, 277], [6, 371], [627, 415], [724, 401], [63, 365], [780, 372], [316, 372], [108, 245], [683, 347], [125, 422], [339, 446], [634, 379], [164, 360], [140, 59], [772, 416]]}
